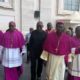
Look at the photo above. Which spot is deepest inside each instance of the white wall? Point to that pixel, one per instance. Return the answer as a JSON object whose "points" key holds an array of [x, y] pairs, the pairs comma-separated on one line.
{"points": [[23, 14], [27, 15], [10, 14], [46, 11], [28, 8]]}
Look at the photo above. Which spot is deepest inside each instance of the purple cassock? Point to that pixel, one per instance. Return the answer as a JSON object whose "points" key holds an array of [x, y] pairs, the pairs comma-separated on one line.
{"points": [[57, 45], [1, 39], [75, 71], [1, 36], [13, 39], [12, 59]]}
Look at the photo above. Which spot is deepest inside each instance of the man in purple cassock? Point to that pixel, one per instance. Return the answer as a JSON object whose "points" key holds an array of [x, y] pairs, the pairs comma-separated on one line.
{"points": [[13, 48], [55, 51], [74, 57]]}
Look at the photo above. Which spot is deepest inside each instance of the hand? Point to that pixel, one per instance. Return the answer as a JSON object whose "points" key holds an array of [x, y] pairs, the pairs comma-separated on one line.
{"points": [[27, 61], [22, 54], [70, 65], [79, 49], [45, 63]]}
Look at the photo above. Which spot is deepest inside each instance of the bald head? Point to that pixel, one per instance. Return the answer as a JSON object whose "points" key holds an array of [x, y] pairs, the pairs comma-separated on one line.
{"points": [[49, 26], [60, 27], [77, 31], [31, 29], [39, 25], [12, 25]]}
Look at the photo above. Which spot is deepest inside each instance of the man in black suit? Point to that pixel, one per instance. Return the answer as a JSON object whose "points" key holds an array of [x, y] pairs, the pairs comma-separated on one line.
{"points": [[35, 45]]}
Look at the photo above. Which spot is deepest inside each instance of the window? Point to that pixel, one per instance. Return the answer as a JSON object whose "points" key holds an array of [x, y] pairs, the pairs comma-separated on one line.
{"points": [[72, 5], [6, 3], [67, 7]]}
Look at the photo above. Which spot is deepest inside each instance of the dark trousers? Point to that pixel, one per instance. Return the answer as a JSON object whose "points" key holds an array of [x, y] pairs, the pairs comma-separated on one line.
{"points": [[28, 56], [36, 68], [28, 53]]}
